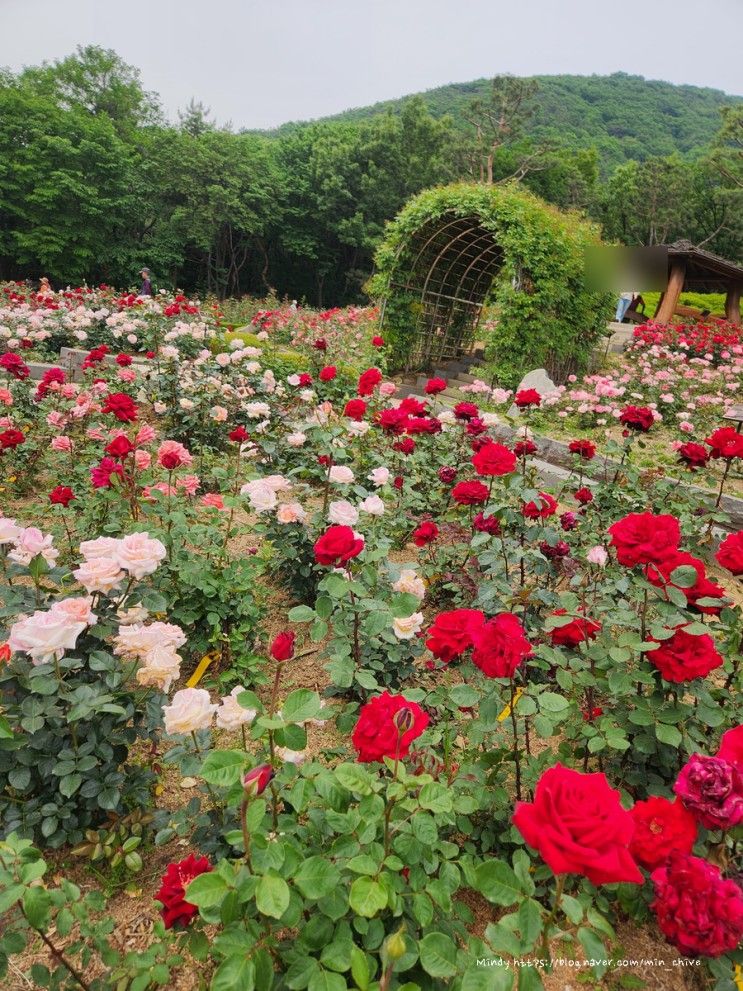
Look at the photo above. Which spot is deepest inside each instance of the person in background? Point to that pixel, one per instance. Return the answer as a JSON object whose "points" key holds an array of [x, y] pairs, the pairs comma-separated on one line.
{"points": [[625, 300], [146, 289], [44, 288]]}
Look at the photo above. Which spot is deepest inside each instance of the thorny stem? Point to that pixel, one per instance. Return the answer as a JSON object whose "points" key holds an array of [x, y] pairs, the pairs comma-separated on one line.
{"points": [[552, 916], [62, 959], [516, 755]]}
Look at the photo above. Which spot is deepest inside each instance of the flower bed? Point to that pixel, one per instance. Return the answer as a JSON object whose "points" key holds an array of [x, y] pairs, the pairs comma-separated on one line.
{"points": [[344, 662]]}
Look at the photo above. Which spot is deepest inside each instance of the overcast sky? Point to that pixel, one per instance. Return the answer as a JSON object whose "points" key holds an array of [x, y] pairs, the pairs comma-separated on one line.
{"points": [[258, 63]]}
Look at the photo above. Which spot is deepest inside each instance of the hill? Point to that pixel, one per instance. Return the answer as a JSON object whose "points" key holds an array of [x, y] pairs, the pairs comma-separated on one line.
{"points": [[625, 117]]}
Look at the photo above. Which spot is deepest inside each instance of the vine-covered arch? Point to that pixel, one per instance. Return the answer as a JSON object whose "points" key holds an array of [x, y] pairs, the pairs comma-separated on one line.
{"points": [[454, 249]]}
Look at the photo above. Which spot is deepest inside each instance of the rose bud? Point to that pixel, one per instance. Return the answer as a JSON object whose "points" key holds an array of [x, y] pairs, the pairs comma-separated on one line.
{"points": [[282, 647], [4, 653], [256, 781], [394, 945], [404, 719]]}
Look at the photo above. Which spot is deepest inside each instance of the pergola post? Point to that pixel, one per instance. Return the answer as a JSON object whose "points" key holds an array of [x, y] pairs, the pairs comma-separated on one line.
{"points": [[670, 298], [732, 303]]}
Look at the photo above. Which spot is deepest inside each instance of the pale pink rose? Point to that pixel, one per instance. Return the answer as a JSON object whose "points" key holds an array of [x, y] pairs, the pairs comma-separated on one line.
{"points": [[100, 574], [100, 547], [161, 666], [288, 756], [171, 454], [688, 428], [405, 628], [137, 640], [77, 609], [379, 476], [256, 411], [56, 419], [145, 435], [387, 389], [219, 414], [69, 389], [372, 505], [189, 484], [231, 715], [343, 513], [223, 359], [597, 555], [30, 542], [277, 482], [127, 375], [213, 500], [9, 530], [45, 636], [296, 439], [160, 408], [140, 554], [261, 496], [61, 444], [410, 583], [190, 710], [341, 474], [290, 512], [95, 433], [142, 460]]}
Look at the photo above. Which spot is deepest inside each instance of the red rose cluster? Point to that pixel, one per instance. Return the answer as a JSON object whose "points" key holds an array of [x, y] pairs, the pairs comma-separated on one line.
{"points": [[386, 727], [498, 645]]}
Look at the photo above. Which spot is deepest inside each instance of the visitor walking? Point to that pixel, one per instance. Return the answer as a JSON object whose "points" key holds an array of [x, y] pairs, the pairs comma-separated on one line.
{"points": [[146, 289]]}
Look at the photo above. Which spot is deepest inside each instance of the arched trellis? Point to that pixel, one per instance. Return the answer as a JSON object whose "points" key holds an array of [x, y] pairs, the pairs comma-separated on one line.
{"points": [[454, 248]]}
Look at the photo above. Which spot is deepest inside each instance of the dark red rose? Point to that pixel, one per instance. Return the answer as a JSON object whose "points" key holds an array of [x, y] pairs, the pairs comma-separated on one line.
{"points": [[644, 538], [149, 354], [435, 386], [447, 475], [378, 341], [526, 398], [661, 827], [425, 533], [712, 790], [730, 553], [122, 406], [398, 481], [102, 474], [554, 551], [386, 727], [698, 911], [337, 546], [320, 344], [282, 645], [731, 747], [172, 894], [474, 428], [487, 524], [392, 420], [578, 825], [355, 409], [494, 460], [470, 493], [257, 780], [423, 425], [239, 434], [693, 455], [583, 496], [585, 449], [499, 646], [524, 448], [305, 379], [324, 460], [578, 630], [638, 418], [404, 446], [14, 365], [124, 360], [542, 507], [50, 377], [569, 521], [119, 447], [62, 495], [726, 443], [465, 411], [368, 381], [660, 575], [10, 439], [452, 633], [328, 373]]}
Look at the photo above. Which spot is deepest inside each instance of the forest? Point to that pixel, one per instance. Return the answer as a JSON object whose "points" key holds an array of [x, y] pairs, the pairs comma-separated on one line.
{"points": [[96, 182]]}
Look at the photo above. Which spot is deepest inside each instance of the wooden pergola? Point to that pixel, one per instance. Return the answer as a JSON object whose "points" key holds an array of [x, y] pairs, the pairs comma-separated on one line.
{"points": [[695, 270]]}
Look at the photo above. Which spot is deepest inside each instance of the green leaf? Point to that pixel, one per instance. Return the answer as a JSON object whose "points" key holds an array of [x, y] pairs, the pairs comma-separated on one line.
{"points": [[223, 767], [367, 897], [301, 614], [9, 896], [272, 896], [360, 969], [530, 921], [207, 890], [435, 797], [495, 978], [668, 734], [594, 949], [316, 877], [36, 905], [300, 706], [404, 604], [552, 702], [236, 973], [684, 576], [354, 778], [498, 883], [438, 955], [324, 980]]}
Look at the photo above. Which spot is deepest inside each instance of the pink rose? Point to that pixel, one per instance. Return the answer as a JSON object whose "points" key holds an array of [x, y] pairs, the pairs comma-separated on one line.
{"points": [[100, 547], [77, 609], [191, 709], [61, 444], [30, 542], [140, 554], [100, 574], [45, 636]]}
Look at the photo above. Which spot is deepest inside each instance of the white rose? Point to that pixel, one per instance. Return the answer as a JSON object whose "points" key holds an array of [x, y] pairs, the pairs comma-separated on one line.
{"points": [[231, 715], [342, 512], [379, 476], [341, 475], [373, 505], [140, 554], [410, 583], [407, 627], [45, 635], [190, 710], [161, 667]]}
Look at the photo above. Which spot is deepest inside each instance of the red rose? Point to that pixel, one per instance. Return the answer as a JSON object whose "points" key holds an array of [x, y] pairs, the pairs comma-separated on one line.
{"points": [[337, 546], [526, 398], [257, 780], [62, 495], [397, 482], [124, 360], [101, 474], [435, 386], [660, 828], [643, 538], [386, 727], [470, 493], [425, 534], [405, 446], [583, 448], [413, 406], [328, 373], [10, 439], [698, 911], [494, 460], [320, 344], [541, 508], [305, 379], [554, 551], [726, 443], [392, 420], [524, 447], [568, 521], [53, 376], [578, 825], [638, 418], [149, 354], [368, 381], [452, 633], [660, 576], [474, 428], [465, 411], [172, 894], [282, 645], [730, 553], [731, 747], [447, 474], [324, 460], [239, 434], [378, 341], [14, 365], [583, 496], [423, 425], [119, 447], [693, 455], [355, 409], [487, 524], [122, 406], [500, 646], [578, 630]]}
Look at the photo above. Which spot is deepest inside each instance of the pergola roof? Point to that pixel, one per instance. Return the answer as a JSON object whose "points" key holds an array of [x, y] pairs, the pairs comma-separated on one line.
{"points": [[705, 272]]}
